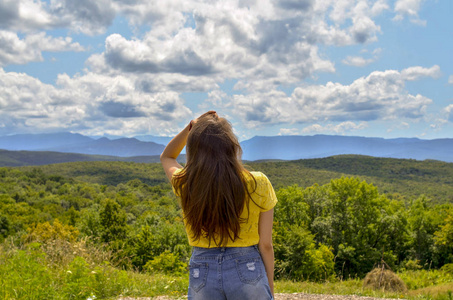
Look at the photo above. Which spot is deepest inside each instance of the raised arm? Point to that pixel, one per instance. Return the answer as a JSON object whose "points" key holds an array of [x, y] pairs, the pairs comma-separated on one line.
{"points": [[174, 148]]}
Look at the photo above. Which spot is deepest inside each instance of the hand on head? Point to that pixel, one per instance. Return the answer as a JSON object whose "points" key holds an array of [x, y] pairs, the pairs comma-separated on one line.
{"points": [[211, 112]]}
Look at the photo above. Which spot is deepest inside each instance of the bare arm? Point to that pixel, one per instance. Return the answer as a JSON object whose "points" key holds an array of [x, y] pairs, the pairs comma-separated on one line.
{"points": [[265, 244], [172, 150], [174, 147]]}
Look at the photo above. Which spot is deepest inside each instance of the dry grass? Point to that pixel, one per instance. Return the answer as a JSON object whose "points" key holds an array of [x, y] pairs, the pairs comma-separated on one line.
{"points": [[433, 291], [383, 279]]}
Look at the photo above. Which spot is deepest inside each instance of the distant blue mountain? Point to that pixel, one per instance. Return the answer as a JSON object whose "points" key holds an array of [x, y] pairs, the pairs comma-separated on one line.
{"points": [[257, 148], [123, 147], [41, 141], [163, 140], [317, 146], [77, 143]]}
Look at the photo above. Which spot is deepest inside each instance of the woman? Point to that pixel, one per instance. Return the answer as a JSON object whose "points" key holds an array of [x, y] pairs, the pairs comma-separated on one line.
{"points": [[228, 213]]}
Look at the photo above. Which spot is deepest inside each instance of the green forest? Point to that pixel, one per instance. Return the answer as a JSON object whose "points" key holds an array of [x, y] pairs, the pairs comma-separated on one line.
{"points": [[103, 229]]}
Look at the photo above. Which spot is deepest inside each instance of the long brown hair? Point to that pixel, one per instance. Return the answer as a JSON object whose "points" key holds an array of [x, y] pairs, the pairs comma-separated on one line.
{"points": [[213, 184]]}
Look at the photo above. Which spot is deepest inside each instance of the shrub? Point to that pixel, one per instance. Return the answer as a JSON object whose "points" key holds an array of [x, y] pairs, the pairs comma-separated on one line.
{"points": [[167, 263], [298, 258], [413, 264], [45, 232], [448, 268]]}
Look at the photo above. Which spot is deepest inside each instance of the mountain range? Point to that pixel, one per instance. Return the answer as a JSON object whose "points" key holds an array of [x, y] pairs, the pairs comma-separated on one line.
{"points": [[256, 148], [76, 143], [318, 146]]}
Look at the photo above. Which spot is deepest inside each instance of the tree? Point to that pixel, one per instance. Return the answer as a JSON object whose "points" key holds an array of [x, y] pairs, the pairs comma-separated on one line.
{"points": [[113, 221], [422, 227], [297, 256], [5, 226], [444, 238], [291, 208], [350, 216]]}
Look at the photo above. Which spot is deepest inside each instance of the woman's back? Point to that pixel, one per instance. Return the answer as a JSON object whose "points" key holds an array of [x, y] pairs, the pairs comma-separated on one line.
{"points": [[262, 198], [228, 213]]}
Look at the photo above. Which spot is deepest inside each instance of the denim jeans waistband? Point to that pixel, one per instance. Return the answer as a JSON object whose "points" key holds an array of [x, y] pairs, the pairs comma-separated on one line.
{"points": [[226, 252]]}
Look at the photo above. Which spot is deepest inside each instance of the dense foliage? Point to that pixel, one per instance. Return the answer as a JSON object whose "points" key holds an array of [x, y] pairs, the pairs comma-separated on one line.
{"points": [[407, 177], [332, 230]]}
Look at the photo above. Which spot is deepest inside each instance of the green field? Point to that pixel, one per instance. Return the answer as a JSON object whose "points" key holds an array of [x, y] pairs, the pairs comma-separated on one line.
{"points": [[106, 228]]}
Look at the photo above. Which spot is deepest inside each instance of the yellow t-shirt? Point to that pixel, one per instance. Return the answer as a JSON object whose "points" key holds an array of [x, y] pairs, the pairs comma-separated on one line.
{"points": [[264, 196]]}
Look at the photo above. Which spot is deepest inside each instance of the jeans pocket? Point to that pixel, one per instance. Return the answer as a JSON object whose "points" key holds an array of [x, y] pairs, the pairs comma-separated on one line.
{"points": [[198, 276], [250, 270]]}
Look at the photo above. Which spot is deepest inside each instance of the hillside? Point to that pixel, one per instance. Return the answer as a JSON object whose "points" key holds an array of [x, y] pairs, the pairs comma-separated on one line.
{"points": [[37, 158], [392, 176]]}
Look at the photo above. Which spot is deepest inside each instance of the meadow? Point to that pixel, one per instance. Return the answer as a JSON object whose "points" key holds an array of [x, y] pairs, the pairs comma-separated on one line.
{"points": [[104, 229]]}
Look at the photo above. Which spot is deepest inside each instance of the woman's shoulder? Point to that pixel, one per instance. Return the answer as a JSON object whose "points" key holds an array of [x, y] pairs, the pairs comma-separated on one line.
{"points": [[263, 193], [259, 177]]}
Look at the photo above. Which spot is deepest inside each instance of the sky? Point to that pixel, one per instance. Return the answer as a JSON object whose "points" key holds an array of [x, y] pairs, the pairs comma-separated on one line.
{"points": [[271, 67]]}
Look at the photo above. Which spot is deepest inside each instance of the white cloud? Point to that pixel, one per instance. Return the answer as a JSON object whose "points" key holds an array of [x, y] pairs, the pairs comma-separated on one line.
{"points": [[86, 16], [379, 96], [215, 55], [377, 51], [166, 17], [379, 7], [449, 112], [289, 131], [450, 79], [415, 73], [359, 13], [91, 104], [341, 128], [24, 15], [14, 50], [89, 17], [409, 8], [194, 46], [272, 42], [357, 61], [398, 126]]}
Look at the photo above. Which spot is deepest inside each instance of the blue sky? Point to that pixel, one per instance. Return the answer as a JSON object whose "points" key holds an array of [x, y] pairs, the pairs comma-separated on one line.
{"points": [[108, 67]]}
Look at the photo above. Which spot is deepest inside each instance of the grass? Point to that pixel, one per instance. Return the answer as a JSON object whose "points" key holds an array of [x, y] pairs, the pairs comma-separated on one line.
{"points": [[422, 284], [346, 287], [34, 271], [83, 271]]}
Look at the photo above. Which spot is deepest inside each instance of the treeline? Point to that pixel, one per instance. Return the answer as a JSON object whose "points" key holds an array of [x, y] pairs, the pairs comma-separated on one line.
{"points": [[338, 229], [393, 177], [346, 227], [407, 177]]}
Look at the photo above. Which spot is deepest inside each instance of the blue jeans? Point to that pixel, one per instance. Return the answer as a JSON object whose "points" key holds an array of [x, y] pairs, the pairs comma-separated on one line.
{"points": [[235, 273]]}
